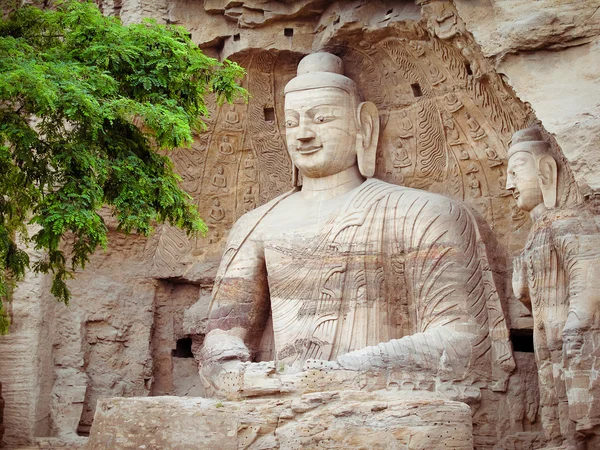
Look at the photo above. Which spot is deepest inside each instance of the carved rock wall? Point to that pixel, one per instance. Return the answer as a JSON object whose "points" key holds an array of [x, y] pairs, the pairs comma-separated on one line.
{"points": [[1, 415], [545, 48], [441, 73], [355, 420], [26, 369]]}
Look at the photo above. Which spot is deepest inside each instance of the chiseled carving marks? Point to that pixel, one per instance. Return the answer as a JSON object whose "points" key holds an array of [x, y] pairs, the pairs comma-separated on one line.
{"points": [[557, 276], [1, 414], [446, 116], [237, 164]]}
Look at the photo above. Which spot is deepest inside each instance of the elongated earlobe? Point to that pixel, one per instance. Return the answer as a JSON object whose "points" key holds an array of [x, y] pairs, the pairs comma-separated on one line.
{"points": [[548, 176], [367, 139]]}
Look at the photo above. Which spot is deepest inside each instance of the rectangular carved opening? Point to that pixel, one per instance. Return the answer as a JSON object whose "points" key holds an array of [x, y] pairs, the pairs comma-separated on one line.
{"points": [[183, 348], [468, 68], [416, 88], [269, 114], [522, 340], [289, 32], [83, 430], [236, 37]]}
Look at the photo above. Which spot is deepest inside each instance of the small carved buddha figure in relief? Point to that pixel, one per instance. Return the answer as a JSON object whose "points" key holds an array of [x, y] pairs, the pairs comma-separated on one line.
{"points": [[558, 277], [350, 274]]}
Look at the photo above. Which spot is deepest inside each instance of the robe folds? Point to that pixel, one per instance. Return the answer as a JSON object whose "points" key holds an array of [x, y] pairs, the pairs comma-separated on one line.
{"points": [[559, 269], [395, 278]]}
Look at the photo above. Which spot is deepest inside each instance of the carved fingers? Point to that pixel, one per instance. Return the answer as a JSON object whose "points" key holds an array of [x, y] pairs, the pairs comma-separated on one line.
{"points": [[236, 379], [220, 346], [519, 280], [578, 323], [222, 380]]}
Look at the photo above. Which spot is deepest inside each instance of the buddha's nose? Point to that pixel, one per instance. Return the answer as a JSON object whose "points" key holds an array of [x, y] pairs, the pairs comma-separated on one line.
{"points": [[305, 133], [510, 183]]}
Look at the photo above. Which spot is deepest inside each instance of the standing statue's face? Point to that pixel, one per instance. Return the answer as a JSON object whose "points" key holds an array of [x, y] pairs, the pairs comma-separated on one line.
{"points": [[522, 179], [321, 131]]}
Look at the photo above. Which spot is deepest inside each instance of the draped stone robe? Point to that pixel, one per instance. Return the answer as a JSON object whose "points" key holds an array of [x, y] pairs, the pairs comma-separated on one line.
{"points": [[560, 270], [392, 277]]}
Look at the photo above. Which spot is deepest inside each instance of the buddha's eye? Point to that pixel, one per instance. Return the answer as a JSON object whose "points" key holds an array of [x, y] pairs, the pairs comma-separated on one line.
{"points": [[291, 123], [319, 118]]}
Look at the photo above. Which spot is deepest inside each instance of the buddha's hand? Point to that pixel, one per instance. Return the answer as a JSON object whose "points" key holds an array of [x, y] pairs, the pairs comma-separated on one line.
{"points": [[519, 279], [220, 346], [579, 322], [222, 363], [222, 379]]}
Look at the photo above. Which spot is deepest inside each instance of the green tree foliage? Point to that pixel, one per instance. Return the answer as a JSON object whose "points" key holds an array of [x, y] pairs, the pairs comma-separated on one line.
{"points": [[87, 107]]}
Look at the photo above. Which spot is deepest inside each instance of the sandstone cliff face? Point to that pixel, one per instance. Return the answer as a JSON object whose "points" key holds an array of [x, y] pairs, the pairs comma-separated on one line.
{"points": [[452, 80], [550, 54], [1, 415]]}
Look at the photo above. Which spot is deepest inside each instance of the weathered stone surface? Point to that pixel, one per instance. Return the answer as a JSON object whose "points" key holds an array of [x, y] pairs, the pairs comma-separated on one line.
{"points": [[502, 27], [442, 75], [25, 371], [1, 416], [557, 276], [254, 13], [349, 420], [546, 47], [574, 115], [102, 339], [327, 282]]}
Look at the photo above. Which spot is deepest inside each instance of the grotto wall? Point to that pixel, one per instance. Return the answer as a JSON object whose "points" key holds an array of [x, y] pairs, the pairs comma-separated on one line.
{"points": [[452, 80]]}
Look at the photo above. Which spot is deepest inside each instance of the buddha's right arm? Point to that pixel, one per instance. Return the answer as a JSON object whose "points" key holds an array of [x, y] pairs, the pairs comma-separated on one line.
{"points": [[239, 307]]}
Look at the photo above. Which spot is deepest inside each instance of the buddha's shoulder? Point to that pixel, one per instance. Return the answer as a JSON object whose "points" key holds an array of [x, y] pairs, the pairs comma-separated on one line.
{"points": [[411, 196], [254, 216]]}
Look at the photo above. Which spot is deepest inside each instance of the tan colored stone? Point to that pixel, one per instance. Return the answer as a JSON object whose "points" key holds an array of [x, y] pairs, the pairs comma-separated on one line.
{"points": [[26, 362], [501, 26], [446, 115], [352, 283], [346, 419], [1, 416], [557, 276], [574, 115]]}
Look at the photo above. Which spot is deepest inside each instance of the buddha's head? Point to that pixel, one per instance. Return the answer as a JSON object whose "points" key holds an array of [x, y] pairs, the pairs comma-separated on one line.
{"points": [[328, 128], [532, 173]]}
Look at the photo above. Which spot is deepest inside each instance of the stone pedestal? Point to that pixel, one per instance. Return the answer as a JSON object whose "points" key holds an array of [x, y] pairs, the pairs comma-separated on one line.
{"points": [[344, 419]]}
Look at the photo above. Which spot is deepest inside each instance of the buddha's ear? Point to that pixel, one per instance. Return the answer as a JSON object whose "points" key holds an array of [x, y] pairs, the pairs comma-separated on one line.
{"points": [[367, 138], [548, 176]]}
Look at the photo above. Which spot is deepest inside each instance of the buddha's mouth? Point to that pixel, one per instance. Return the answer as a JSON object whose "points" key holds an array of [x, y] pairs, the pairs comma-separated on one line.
{"points": [[310, 149]]}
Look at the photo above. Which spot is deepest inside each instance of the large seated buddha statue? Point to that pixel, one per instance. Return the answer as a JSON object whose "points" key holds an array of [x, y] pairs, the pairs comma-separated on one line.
{"points": [[348, 281]]}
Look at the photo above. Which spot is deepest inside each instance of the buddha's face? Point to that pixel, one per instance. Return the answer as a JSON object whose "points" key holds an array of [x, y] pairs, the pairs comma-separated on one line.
{"points": [[321, 131], [522, 179]]}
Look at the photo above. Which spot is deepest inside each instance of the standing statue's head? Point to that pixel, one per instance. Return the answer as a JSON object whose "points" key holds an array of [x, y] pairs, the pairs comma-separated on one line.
{"points": [[328, 129], [532, 170]]}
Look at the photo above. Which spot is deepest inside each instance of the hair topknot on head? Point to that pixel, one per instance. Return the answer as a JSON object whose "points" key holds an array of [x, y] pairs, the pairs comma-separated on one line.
{"points": [[321, 70], [529, 140], [321, 62], [531, 134]]}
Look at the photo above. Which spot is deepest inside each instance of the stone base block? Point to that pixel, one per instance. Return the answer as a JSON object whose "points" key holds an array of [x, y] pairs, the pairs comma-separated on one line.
{"points": [[334, 420]]}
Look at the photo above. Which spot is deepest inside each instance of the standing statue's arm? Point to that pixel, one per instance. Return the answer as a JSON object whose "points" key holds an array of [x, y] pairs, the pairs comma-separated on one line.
{"points": [[580, 260]]}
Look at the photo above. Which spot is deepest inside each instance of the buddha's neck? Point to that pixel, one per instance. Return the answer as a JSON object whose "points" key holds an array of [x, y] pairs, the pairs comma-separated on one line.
{"points": [[536, 212], [331, 186]]}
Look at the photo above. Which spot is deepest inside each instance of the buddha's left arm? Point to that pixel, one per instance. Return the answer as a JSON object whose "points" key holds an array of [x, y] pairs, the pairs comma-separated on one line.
{"points": [[444, 278], [577, 243]]}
